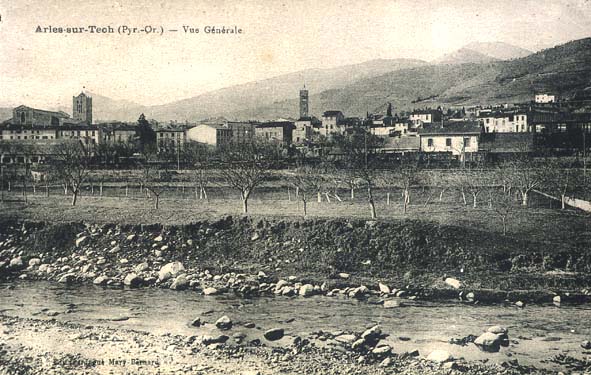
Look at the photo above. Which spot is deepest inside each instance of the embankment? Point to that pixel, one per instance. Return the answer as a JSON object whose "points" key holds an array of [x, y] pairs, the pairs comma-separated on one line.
{"points": [[411, 255]]}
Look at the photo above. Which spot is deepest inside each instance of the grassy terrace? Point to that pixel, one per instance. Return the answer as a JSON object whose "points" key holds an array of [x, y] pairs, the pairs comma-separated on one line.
{"points": [[543, 222]]}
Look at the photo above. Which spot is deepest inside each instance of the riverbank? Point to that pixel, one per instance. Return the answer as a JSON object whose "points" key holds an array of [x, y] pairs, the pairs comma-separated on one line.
{"points": [[253, 256], [35, 346]]}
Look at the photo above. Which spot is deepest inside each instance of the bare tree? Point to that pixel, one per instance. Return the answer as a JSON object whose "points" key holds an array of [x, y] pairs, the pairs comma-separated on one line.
{"points": [[244, 166], [562, 180], [308, 181], [360, 156], [525, 175], [71, 164], [504, 206], [403, 176], [198, 157], [154, 176]]}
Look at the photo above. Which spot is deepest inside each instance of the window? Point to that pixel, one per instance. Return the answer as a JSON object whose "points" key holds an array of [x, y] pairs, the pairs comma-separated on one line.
{"points": [[466, 142], [430, 142], [447, 142], [23, 117]]}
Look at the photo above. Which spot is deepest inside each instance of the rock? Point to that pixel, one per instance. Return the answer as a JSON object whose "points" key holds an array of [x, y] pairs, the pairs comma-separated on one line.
{"points": [[255, 237], [219, 339], [520, 304], [101, 280], [346, 339], [372, 336], [123, 261], [306, 290], [556, 301], [393, 303], [280, 284], [498, 330], [67, 278], [454, 283], [440, 356], [586, 345], [196, 322], [381, 351], [170, 270], [224, 323], [16, 262], [34, 262], [471, 297], [249, 325], [131, 237], [344, 275], [211, 291], [274, 334], [386, 362], [81, 241], [358, 345], [132, 280], [489, 342], [384, 288], [180, 283], [158, 239], [141, 267]]}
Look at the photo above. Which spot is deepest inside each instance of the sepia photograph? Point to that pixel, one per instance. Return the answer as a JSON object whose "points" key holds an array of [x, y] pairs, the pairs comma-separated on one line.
{"points": [[265, 187]]}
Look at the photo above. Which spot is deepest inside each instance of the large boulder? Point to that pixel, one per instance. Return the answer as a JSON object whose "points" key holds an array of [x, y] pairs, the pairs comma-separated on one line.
{"points": [[34, 262], [81, 241], [170, 270], [211, 291], [101, 280]]}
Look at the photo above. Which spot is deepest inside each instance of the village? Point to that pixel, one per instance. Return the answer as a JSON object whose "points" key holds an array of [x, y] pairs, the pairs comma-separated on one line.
{"points": [[546, 125]]}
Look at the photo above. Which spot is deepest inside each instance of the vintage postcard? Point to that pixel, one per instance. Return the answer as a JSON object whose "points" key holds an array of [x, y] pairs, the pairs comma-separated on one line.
{"points": [[295, 187]]}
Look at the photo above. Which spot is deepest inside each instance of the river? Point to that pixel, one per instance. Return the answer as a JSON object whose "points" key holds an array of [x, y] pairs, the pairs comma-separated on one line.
{"points": [[537, 332]]}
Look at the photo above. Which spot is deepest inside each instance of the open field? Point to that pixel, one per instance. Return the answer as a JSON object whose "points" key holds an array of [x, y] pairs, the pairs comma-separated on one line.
{"points": [[543, 222]]}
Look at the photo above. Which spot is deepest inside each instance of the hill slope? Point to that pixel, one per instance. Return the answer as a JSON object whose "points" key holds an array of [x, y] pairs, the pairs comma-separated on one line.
{"points": [[563, 70], [260, 93]]}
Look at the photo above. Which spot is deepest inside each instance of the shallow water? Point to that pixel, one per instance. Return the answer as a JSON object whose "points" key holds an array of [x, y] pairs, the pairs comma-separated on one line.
{"points": [[541, 332]]}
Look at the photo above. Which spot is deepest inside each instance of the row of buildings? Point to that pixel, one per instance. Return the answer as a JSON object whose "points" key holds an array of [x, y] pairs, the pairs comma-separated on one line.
{"points": [[455, 132]]}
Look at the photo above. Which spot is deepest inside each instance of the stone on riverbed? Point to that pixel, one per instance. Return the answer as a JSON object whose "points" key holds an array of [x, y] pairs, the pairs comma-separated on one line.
{"points": [[219, 339], [170, 270], [67, 278], [180, 283], [132, 280], [307, 290], [492, 340], [81, 241], [440, 356], [346, 339], [586, 345], [384, 288], [224, 323], [101, 280], [274, 334], [210, 291], [392, 303]]}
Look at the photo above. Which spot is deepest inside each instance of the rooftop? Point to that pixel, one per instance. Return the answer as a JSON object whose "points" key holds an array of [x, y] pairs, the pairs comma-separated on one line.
{"points": [[460, 127]]}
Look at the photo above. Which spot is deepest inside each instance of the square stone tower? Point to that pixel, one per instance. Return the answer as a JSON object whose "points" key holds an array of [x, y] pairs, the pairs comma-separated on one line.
{"points": [[82, 108], [304, 103]]}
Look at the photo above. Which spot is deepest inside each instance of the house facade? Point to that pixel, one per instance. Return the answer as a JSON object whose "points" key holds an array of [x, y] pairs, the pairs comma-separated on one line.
{"points": [[210, 134], [457, 138]]}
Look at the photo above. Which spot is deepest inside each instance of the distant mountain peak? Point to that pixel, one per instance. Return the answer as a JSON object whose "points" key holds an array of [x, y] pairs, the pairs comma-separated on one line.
{"points": [[479, 52]]}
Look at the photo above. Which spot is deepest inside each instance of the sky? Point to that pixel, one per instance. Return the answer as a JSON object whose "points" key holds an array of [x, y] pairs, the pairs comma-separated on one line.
{"points": [[45, 70]]}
